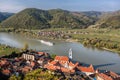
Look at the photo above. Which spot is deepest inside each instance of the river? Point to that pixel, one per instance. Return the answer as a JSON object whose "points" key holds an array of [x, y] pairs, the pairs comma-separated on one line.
{"points": [[101, 59]]}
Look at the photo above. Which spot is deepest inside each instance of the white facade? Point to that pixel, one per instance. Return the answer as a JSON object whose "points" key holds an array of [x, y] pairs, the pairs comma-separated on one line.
{"points": [[28, 57]]}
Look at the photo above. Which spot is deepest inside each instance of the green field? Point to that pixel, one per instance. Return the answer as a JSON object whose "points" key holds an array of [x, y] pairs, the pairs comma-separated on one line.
{"points": [[101, 38], [6, 50]]}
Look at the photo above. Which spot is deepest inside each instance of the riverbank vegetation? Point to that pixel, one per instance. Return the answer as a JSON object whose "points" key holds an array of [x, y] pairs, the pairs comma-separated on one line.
{"points": [[6, 50], [38, 74], [101, 38]]}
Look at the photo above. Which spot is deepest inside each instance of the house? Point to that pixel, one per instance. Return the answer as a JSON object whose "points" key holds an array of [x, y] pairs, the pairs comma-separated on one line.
{"points": [[113, 75], [102, 76], [28, 57], [61, 63], [34, 55], [87, 70], [40, 53], [6, 72], [26, 69]]}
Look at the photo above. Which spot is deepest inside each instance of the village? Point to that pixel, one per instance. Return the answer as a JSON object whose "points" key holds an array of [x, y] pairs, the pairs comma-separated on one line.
{"points": [[32, 60]]}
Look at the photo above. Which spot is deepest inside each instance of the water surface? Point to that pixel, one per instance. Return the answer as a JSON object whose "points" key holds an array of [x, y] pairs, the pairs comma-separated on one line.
{"points": [[99, 58]]}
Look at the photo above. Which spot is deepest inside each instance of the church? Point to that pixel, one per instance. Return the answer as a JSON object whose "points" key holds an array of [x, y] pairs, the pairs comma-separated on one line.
{"points": [[62, 63]]}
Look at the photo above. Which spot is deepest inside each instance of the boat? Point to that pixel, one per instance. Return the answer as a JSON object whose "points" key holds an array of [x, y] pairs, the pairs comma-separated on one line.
{"points": [[46, 42]]}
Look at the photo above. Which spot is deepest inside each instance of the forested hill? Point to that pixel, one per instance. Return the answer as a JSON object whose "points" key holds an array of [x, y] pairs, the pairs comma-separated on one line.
{"points": [[33, 18], [109, 20]]}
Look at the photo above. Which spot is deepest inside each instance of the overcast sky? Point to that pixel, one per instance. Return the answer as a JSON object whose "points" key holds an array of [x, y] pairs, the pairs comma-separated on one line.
{"points": [[72, 5]]}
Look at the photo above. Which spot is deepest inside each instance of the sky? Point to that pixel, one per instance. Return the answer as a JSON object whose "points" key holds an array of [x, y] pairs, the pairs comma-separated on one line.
{"points": [[71, 5]]}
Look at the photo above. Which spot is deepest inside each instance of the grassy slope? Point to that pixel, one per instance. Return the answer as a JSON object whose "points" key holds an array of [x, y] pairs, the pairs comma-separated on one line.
{"points": [[7, 50]]}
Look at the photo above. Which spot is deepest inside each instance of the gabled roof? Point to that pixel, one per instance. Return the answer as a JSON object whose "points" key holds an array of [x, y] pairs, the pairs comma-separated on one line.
{"points": [[67, 70], [86, 69], [6, 71], [61, 58], [40, 53], [53, 62], [104, 76], [113, 74], [51, 67]]}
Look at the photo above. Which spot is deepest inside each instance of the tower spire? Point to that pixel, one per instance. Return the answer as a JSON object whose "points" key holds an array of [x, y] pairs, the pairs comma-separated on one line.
{"points": [[70, 53]]}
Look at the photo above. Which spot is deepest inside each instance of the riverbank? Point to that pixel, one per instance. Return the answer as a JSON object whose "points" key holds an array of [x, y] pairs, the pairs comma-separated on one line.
{"points": [[6, 50], [80, 53], [109, 38]]}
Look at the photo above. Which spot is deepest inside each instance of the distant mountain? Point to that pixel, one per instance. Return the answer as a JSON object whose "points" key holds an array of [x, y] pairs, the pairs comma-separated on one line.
{"points": [[4, 15], [33, 18], [109, 20], [94, 14]]}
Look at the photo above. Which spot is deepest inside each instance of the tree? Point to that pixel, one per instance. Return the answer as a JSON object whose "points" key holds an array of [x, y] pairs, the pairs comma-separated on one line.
{"points": [[26, 46], [13, 77], [53, 56]]}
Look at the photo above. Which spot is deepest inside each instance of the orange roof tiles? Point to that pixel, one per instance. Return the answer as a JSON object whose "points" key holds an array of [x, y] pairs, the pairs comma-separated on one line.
{"points": [[61, 58], [51, 67], [40, 53], [53, 62], [6, 71], [86, 69], [113, 74], [104, 76], [67, 70], [32, 64], [26, 69]]}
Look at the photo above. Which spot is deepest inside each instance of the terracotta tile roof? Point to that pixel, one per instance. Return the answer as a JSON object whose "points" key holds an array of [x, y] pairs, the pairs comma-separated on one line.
{"points": [[40, 53], [113, 75], [26, 69], [32, 63], [53, 62], [71, 64], [104, 76], [6, 71], [86, 69], [67, 70], [2, 62], [51, 67], [61, 58]]}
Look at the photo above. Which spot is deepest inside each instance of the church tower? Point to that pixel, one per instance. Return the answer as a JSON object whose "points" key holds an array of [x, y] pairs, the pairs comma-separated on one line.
{"points": [[70, 53]]}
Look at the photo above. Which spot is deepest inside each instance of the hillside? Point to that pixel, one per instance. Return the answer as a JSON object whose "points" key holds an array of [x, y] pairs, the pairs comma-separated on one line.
{"points": [[4, 15], [32, 18], [109, 20], [28, 18]]}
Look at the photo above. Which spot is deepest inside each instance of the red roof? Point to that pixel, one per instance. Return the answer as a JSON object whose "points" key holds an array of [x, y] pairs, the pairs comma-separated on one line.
{"points": [[51, 67], [104, 76], [86, 69], [53, 62], [113, 75], [26, 69], [61, 58], [6, 71], [32, 63], [67, 70], [40, 53]]}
